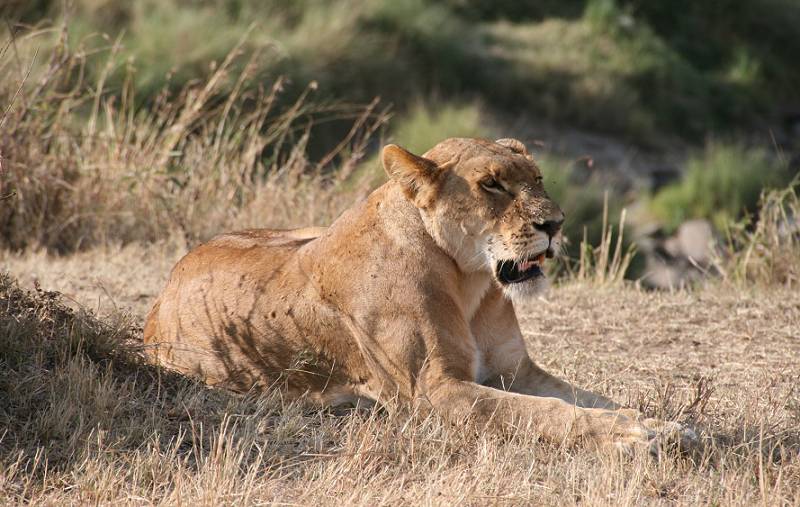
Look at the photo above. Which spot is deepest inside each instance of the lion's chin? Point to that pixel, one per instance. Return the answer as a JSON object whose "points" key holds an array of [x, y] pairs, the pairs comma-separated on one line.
{"points": [[529, 289]]}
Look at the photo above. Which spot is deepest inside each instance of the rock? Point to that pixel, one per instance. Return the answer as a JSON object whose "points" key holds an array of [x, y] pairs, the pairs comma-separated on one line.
{"points": [[672, 246], [679, 260], [662, 275], [669, 274], [696, 239]]}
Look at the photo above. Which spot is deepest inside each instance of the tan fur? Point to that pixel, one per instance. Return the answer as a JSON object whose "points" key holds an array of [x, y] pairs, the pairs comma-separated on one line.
{"points": [[397, 300]]}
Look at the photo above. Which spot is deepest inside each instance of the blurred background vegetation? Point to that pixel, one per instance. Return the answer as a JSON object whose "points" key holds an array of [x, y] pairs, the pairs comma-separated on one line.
{"points": [[639, 69], [677, 109]]}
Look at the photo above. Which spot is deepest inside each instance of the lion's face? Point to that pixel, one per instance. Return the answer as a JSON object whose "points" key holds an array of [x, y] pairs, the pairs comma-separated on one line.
{"points": [[485, 204]]}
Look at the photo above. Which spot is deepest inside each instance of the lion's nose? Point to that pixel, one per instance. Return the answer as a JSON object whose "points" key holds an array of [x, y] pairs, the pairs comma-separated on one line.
{"points": [[551, 227]]}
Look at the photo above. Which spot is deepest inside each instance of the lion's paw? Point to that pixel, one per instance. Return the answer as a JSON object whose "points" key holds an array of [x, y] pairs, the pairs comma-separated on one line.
{"points": [[655, 437], [670, 435]]}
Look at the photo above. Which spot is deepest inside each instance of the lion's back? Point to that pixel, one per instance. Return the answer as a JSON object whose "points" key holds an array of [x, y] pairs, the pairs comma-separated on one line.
{"points": [[249, 238], [216, 287]]}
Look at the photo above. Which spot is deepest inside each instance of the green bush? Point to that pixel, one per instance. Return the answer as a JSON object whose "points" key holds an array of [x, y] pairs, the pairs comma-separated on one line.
{"points": [[721, 183], [423, 126], [724, 36], [630, 67], [419, 130]]}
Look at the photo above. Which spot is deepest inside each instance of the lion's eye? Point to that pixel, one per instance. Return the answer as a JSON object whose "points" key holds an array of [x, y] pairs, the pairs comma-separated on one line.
{"points": [[493, 186]]}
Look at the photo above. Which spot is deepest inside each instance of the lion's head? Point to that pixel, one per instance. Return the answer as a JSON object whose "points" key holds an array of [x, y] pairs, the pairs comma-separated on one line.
{"points": [[485, 204]]}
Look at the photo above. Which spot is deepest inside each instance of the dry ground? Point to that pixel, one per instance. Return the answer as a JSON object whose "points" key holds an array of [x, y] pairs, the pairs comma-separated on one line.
{"points": [[77, 427]]}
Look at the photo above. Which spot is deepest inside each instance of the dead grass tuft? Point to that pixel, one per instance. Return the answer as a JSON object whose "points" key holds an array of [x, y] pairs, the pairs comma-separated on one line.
{"points": [[83, 165], [604, 264], [766, 251]]}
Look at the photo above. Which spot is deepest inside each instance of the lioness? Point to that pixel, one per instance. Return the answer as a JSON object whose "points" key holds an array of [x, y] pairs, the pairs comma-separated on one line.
{"points": [[407, 296]]}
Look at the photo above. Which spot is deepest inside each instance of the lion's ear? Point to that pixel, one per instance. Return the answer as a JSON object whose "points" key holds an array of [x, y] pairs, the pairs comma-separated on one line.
{"points": [[514, 145], [418, 176]]}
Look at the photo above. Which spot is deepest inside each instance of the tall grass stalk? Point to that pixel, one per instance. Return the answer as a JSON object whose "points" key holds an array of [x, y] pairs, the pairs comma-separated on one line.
{"points": [[606, 263], [766, 252], [85, 165]]}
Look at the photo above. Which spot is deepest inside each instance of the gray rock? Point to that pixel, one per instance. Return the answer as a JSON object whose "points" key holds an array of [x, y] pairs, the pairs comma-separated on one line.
{"points": [[679, 260], [696, 241]]}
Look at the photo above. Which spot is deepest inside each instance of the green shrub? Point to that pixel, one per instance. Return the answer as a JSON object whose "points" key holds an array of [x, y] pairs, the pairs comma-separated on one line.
{"points": [[722, 35], [423, 126], [640, 69], [420, 129], [612, 75], [721, 183]]}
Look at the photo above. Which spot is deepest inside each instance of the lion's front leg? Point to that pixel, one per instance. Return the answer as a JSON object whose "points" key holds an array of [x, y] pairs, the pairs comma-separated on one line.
{"points": [[553, 419], [507, 367], [506, 364], [527, 378]]}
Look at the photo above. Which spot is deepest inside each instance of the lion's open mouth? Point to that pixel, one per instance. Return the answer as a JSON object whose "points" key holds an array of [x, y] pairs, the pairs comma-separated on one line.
{"points": [[512, 271]]}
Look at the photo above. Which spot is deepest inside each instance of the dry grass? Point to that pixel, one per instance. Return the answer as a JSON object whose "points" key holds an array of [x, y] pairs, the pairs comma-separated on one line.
{"points": [[767, 250], [104, 280], [605, 264], [85, 422], [81, 165]]}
